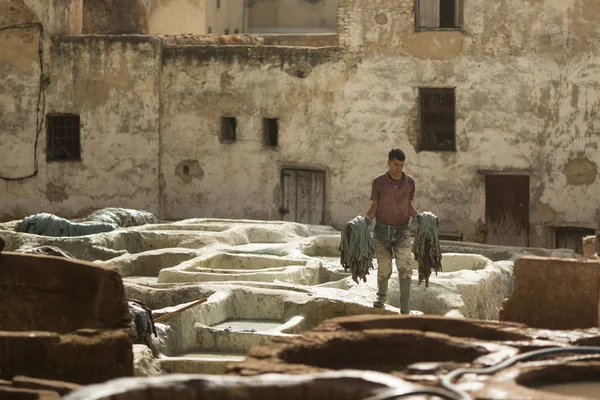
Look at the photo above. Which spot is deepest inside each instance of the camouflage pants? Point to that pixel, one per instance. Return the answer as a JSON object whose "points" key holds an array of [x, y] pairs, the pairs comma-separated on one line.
{"points": [[391, 243]]}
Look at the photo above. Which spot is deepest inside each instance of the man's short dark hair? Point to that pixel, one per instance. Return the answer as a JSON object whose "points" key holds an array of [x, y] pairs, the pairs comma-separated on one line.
{"points": [[396, 154]]}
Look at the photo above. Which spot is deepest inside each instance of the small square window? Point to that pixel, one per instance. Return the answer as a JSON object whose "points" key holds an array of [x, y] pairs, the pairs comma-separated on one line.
{"points": [[228, 129], [438, 15], [271, 131], [63, 138], [437, 119], [227, 31]]}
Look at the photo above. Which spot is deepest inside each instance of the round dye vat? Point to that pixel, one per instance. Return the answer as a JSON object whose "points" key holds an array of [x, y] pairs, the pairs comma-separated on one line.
{"points": [[586, 389], [259, 325]]}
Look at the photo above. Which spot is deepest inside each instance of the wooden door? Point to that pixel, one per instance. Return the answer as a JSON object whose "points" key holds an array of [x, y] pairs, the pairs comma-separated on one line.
{"points": [[507, 210], [571, 238], [303, 196]]}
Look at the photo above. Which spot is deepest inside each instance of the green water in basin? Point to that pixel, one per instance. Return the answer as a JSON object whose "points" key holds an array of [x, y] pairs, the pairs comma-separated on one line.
{"points": [[215, 356], [247, 324]]}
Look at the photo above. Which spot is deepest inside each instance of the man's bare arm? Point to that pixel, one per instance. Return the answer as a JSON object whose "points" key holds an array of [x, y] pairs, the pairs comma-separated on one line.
{"points": [[412, 211], [373, 210]]}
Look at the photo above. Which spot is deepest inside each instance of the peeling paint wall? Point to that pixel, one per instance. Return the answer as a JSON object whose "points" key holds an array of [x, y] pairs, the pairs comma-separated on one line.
{"points": [[292, 16], [112, 83], [525, 76]]}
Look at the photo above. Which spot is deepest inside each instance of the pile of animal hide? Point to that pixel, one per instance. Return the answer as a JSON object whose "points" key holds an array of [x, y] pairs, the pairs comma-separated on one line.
{"points": [[426, 246], [50, 225], [142, 325], [122, 217], [356, 247], [104, 220]]}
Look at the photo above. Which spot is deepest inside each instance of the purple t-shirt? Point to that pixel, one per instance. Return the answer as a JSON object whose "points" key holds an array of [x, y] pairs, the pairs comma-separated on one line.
{"points": [[393, 198]]}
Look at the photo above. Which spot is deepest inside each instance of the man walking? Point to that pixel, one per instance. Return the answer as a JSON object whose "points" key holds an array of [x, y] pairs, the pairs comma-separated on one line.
{"points": [[391, 205]]}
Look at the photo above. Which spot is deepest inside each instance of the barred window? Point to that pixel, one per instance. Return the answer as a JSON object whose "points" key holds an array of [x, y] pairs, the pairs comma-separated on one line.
{"points": [[63, 138], [438, 14], [437, 117]]}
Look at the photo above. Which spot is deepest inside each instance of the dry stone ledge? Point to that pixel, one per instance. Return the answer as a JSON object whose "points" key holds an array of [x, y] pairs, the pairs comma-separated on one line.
{"points": [[62, 388], [341, 385], [555, 293], [83, 357]]}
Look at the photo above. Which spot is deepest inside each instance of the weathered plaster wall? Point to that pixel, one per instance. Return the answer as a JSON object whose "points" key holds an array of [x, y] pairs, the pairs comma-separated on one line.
{"points": [[19, 88], [241, 179], [269, 16], [177, 17], [526, 85], [20, 71], [113, 84]]}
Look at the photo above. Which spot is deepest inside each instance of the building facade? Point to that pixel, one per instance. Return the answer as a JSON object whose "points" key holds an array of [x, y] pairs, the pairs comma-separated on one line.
{"points": [[496, 106]]}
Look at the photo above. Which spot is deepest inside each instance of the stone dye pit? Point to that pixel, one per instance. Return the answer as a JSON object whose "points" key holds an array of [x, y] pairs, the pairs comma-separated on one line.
{"points": [[274, 291]]}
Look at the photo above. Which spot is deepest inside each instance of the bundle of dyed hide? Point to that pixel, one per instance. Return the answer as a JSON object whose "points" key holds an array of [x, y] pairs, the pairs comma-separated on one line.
{"points": [[50, 225], [356, 247], [426, 246], [122, 217]]}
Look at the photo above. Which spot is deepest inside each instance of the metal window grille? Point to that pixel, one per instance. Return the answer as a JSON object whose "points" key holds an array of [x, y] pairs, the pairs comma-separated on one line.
{"points": [[438, 14], [228, 129], [63, 140], [437, 119]]}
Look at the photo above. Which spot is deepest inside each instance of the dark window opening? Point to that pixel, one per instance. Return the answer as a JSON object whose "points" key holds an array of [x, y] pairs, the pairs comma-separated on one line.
{"points": [[271, 131], [186, 169], [227, 31], [572, 238], [209, 29], [63, 139], [437, 120], [236, 31], [447, 10], [456, 237], [218, 3], [228, 129], [438, 14]]}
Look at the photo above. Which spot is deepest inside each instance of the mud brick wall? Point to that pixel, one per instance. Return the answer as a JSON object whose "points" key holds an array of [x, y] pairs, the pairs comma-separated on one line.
{"points": [[62, 319], [589, 244], [53, 294], [555, 293]]}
